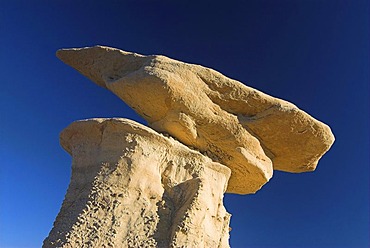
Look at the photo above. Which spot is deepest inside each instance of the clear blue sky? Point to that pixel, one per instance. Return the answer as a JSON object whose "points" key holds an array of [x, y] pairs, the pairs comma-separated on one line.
{"points": [[310, 52]]}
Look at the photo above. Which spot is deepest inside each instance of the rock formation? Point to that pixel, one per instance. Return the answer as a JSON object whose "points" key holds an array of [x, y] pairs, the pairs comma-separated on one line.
{"points": [[132, 186], [243, 128]]}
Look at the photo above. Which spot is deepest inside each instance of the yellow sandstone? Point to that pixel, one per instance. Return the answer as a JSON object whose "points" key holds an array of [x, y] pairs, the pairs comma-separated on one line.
{"points": [[133, 187], [163, 185], [248, 131]]}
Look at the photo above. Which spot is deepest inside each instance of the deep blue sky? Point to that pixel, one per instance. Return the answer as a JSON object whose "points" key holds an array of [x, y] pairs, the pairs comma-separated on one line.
{"points": [[312, 53]]}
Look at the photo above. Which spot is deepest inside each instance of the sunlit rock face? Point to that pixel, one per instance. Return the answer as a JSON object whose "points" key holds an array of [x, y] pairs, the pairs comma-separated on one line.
{"points": [[163, 185], [133, 187], [248, 131]]}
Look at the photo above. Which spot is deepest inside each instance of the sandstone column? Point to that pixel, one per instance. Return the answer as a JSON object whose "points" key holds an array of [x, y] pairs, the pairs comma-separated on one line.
{"points": [[133, 187]]}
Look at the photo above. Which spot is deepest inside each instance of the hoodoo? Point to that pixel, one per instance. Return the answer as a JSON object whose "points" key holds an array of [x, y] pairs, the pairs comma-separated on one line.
{"points": [[163, 186]]}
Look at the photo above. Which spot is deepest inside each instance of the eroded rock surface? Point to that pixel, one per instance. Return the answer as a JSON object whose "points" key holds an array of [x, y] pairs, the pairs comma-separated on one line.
{"points": [[248, 131], [133, 187]]}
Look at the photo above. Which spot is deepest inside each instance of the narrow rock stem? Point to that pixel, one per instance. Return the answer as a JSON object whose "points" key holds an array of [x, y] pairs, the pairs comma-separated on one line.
{"points": [[133, 187]]}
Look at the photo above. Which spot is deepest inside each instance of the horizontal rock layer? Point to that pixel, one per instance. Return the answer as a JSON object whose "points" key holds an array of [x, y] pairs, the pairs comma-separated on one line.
{"points": [[133, 187], [248, 131]]}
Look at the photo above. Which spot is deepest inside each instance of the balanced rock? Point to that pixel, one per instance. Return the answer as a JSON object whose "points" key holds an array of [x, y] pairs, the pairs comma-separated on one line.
{"points": [[248, 131], [133, 187]]}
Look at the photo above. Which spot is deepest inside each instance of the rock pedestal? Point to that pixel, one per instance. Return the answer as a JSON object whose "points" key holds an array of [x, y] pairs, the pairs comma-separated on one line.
{"points": [[133, 187]]}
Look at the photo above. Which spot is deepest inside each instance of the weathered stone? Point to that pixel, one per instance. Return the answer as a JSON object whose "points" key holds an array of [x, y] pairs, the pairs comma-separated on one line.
{"points": [[233, 124], [133, 187]]}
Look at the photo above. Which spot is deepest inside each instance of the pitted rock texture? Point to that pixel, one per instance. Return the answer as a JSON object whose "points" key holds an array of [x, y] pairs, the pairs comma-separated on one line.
{"points": [[133, 187], [248, 131]]}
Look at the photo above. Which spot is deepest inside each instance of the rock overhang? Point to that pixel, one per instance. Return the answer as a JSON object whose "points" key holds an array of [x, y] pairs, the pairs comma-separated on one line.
{"points": [[248, 131]]}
